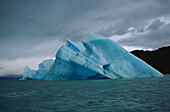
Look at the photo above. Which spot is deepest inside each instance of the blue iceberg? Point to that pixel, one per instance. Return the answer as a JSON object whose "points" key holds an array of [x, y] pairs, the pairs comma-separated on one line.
{"points": [[39, 74], [96, 57]]}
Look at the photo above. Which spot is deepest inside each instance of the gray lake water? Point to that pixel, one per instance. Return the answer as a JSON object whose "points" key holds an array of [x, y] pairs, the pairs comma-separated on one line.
{"points": [[150, 94]]}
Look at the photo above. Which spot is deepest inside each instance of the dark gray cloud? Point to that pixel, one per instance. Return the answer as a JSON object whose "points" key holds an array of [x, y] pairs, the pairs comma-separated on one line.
{"points": [[1, 68], [36, 28], [24, 24], [155, 25], [152, 39]]}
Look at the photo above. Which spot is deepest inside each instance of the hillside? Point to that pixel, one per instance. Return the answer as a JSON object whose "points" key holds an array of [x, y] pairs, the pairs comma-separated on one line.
{"points": [[159, 59]]}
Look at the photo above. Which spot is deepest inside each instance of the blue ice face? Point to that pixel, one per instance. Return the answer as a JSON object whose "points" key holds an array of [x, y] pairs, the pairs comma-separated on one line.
{"points": [[96, 57], [38, 74]]}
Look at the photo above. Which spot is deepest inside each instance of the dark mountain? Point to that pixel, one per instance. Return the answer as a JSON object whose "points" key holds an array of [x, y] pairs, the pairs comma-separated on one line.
{"points": [[4, 77], [159, 59]]}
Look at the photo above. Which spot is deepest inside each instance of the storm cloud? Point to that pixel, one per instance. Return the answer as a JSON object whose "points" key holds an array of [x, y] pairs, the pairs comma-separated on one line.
{"points": [[34, 29]]}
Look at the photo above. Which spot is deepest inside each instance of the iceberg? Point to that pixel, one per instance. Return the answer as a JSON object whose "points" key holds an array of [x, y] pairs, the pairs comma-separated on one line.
{"points": [[95, 57], [28, 72], [39, 74]]}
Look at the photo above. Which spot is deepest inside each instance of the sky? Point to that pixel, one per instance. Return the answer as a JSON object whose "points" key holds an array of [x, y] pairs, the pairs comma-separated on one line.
{"points": [[33, 30]]}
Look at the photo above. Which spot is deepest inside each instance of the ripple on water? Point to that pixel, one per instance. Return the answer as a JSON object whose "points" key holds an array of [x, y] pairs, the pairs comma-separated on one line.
{"points": [[88, 95]]}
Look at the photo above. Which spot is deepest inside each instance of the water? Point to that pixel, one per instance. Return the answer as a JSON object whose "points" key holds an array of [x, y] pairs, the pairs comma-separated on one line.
{"points": [[151, 94]]}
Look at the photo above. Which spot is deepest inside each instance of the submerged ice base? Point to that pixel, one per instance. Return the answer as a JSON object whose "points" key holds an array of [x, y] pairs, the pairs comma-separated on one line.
{"points": [[96, 57]]}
